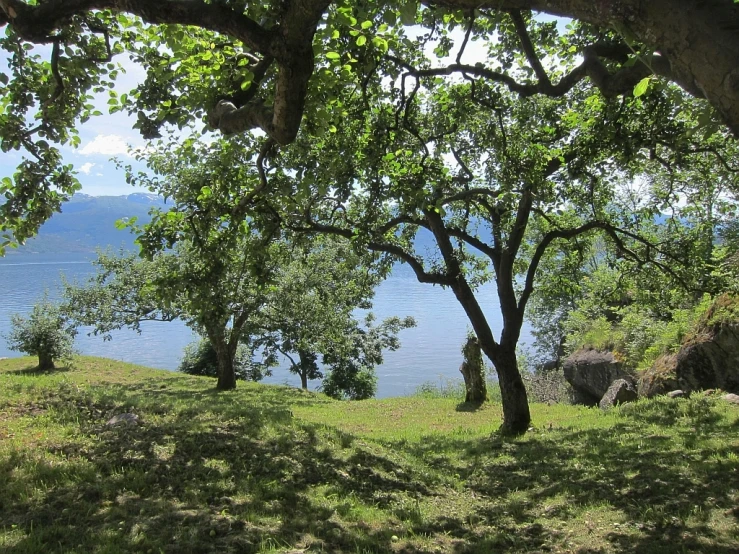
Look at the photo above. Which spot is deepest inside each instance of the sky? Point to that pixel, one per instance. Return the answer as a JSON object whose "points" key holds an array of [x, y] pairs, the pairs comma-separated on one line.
{"points": [[102, 138]]}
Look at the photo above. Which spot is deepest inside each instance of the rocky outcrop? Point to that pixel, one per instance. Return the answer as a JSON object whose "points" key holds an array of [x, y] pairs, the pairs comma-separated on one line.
{"points": [[620, 392], [591, 372], [659, 379], [707, 360]]}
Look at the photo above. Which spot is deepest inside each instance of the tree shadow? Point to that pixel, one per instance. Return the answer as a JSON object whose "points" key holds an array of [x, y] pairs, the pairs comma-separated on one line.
{"points": [[255, 478], [469, 406], [35, 371]]}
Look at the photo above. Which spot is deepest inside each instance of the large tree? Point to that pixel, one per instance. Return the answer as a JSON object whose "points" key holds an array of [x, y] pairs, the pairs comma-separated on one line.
{"points": [[265, 65], [494, 180], [202, 260]]}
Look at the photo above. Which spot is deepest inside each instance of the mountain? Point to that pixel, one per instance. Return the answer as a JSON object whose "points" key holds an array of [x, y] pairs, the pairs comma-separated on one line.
{"points": [[87, 223]]}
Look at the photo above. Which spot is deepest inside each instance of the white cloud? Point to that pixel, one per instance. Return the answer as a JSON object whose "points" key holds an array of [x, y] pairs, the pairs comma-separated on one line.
{"points": [[98, 175], [85, 168], [109, 145]]}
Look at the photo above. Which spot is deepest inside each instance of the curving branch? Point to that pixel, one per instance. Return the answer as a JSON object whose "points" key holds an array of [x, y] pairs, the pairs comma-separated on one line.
{"points": [[416, 265]]}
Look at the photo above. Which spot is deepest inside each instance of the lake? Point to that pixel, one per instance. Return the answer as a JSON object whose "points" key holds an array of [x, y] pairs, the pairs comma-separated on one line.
{"points": [[429, 352]]}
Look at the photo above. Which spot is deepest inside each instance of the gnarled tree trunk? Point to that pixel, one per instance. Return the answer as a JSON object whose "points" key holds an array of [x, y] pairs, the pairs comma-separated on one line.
{"points": [[516, 415], [473, 371]]}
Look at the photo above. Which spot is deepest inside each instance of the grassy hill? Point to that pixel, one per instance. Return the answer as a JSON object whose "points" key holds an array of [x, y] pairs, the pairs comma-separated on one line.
{"points": [[275, 469]]}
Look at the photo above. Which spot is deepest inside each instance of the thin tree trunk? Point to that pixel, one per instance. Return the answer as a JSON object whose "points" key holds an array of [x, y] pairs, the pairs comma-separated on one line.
{"points": [[307, 364]]}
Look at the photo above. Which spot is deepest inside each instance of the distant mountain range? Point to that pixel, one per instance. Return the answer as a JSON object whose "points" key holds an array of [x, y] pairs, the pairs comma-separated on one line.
{"points": [[87, 223]]}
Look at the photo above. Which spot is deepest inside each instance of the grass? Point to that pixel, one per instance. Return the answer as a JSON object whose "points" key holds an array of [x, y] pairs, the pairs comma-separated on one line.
{"points": [[274, 469]]}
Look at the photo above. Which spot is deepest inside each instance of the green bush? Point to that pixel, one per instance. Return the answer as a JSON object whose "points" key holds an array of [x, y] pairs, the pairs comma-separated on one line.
{"points": [[46, 333], [199, 358]]}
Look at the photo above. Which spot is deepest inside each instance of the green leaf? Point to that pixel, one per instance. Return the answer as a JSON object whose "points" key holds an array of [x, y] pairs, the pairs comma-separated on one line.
{"points": [[333, 55], [361, 40], [642, 87]]}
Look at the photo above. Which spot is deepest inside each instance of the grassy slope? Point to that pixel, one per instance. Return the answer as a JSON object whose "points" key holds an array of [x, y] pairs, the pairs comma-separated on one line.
{"points": [[272, 469]]}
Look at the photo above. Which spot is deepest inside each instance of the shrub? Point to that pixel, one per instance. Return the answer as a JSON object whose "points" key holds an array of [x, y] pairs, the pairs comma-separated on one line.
{"points": [[199, 358], [46, 333]]}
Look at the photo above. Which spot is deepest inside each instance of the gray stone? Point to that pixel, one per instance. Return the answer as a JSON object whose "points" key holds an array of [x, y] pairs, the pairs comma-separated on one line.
{"points": [[591, 372], [123, 419], [677, 394], [620, 392], [709, 359], [733, 398]]}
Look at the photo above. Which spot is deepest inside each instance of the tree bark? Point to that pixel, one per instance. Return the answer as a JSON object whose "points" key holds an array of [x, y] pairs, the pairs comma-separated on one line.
{"points": [[307, 364], [45, 362], [473, 371], [516, 415], [225, 355]]}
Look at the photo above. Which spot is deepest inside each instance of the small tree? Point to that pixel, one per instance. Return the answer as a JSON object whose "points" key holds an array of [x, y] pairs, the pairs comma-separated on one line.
{"points": [[351, 363], [200, 358], [46, 333]]}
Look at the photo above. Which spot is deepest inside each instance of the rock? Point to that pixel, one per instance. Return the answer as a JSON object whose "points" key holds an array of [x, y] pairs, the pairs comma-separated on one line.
{"points": [[677, 394], [659, 379], [709, 359], [124, 419], [733, 398], [551, 365], [591, 372], [620, 392]]}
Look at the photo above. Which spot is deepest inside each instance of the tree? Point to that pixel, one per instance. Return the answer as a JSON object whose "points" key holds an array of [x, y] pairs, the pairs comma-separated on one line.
{"points": [[244, 65], [200, 358], [203, 262], [311, 314], [351, 362], [494, 179], [686, 202], [219, 301], [47, 333]]}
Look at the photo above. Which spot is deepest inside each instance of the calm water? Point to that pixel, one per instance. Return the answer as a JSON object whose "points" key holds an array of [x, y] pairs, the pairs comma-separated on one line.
{"points": [[429, 352]]}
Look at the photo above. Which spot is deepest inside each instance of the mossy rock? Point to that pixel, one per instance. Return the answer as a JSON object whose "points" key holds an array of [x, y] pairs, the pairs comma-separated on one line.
{"points": [[707, 359]]}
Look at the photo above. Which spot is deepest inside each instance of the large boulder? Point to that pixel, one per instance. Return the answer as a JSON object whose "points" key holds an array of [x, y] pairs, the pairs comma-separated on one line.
{"points": [[620, 392], [660, 378], [591, 372], [709, 359]]}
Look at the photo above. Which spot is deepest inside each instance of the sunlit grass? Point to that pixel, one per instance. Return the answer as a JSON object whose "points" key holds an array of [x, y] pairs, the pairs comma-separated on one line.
{"points": [[274, 469]]}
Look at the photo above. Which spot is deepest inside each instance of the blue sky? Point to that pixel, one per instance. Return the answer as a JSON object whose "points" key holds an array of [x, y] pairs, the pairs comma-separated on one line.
{"points": [[102, 137]]}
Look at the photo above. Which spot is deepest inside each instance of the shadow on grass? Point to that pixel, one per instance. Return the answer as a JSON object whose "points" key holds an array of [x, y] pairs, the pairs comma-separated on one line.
{"points": [[236, 472], [469, 406], [35, 371]]}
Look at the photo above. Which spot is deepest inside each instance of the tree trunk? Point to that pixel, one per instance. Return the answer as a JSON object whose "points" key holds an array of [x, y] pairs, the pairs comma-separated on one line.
{"points": [[45, 362], [226, 372], [516, 415], [307, 366], [473, 371]]}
